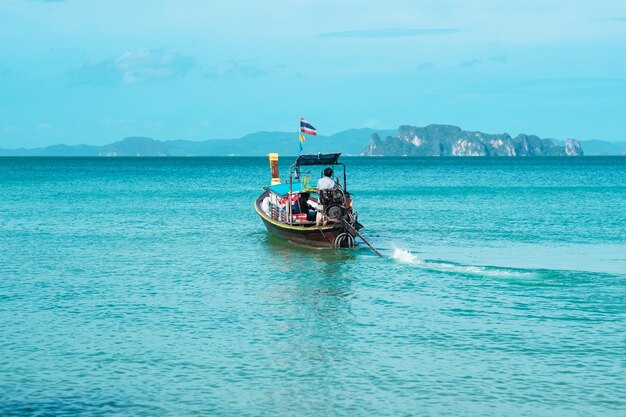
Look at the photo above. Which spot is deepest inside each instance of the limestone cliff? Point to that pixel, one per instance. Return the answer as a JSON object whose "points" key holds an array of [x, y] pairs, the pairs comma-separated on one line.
{"points": [[446, 140]]}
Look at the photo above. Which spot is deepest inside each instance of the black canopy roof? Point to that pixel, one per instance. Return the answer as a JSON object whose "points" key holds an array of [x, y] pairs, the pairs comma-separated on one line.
{"points": [[318, 159]]}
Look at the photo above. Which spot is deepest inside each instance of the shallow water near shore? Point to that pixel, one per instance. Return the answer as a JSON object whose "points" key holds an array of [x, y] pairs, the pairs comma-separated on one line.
{"points": [[150, 287]]}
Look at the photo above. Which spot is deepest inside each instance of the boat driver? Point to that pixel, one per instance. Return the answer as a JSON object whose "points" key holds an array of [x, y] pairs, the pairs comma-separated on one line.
{"points": [[326, 182]]}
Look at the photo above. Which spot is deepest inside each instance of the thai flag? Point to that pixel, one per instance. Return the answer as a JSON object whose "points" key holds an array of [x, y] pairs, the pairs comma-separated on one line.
{"points": [[307, 128]]}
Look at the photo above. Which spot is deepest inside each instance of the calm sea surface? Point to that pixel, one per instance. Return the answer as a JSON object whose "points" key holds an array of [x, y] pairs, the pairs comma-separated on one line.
{"points": [[149, 287]]}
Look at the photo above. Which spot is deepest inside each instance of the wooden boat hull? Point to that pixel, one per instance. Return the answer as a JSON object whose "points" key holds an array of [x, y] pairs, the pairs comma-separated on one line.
{"points": [[319, 236]]}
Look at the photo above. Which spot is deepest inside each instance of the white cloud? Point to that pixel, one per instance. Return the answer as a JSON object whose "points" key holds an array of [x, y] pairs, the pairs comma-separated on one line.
{"points": [[133, 67], [389, 33]]}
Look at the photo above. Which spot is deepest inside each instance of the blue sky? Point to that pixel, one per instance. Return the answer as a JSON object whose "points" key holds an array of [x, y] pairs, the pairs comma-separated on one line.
{"points": [[75, 71]]}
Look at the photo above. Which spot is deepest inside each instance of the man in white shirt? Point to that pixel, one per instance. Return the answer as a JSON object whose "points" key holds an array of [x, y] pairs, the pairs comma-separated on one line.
{"points": [[326, 182]]}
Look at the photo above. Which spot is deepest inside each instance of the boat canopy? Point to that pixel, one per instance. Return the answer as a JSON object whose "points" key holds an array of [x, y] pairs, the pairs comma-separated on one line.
{"points": [[318, 159], [283, 189]]}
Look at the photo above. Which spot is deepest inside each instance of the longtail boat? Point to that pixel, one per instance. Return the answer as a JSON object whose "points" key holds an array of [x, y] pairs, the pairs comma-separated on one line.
{"points": [[296, 210]]}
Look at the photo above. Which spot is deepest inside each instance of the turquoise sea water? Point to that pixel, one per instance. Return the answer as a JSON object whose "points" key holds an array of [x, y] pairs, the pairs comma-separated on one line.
{"points": [[150, 287]]}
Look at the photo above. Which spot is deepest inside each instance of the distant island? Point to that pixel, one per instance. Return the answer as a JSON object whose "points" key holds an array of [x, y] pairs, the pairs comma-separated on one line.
{"points": [[445, 140], [431, 140]]}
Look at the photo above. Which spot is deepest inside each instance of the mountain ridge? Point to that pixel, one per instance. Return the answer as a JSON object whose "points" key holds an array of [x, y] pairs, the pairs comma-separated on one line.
{"points": [[349, 142]]}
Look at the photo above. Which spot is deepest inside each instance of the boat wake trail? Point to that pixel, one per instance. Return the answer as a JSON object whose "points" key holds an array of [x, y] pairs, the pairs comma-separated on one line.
{"points": [[405, 257]]}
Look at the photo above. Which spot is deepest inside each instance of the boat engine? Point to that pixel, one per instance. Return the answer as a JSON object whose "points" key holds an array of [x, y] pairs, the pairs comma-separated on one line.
{"points": [[334, 202]]}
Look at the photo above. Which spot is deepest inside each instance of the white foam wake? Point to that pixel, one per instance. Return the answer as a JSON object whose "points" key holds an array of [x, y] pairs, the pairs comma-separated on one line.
{"points": [[406, 257]]}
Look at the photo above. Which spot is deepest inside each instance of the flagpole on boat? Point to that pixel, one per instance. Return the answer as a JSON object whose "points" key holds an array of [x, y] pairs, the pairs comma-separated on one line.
{"points": [[290, 195], [298, 135]]}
